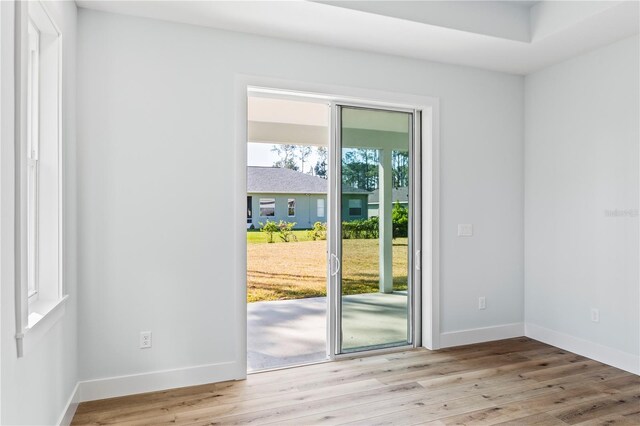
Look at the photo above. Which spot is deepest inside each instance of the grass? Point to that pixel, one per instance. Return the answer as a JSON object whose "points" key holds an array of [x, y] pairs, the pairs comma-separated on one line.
{"points": [[298, 270], [259, 237]]}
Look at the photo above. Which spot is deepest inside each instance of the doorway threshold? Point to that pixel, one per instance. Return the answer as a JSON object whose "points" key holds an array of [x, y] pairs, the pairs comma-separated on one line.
{"points": [[287, 367]]}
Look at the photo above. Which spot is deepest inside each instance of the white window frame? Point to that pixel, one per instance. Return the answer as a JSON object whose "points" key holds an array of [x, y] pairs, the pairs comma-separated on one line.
{"points": [[320, 207], [40, 296], [260, 207], [33, 121], [291, 206]]}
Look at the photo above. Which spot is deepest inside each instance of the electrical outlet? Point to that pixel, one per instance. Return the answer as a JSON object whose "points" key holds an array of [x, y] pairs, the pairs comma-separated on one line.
{"points": [[595, 315], [145, 339], [482, 302], [465, 230]]}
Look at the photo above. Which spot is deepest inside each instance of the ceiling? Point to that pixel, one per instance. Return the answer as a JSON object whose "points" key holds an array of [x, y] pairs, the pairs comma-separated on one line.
{"points": [[285, 121], [517, 37]]}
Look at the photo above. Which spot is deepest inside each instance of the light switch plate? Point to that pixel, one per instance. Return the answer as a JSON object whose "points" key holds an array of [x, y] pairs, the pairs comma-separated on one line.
{"points": [[465, 230], [482, 302]]}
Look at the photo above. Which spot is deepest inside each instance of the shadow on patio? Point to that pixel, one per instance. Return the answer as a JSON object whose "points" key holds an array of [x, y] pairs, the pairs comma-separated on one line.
{"points": [[290, 332]]}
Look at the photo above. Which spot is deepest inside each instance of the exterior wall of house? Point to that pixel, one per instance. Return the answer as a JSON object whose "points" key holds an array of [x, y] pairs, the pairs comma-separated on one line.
{"points": [[364, 213], [306, 210], [373, 207]]}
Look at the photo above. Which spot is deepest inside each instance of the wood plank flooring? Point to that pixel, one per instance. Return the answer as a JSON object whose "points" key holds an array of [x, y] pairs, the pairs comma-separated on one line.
{"points": [[510, 382]]}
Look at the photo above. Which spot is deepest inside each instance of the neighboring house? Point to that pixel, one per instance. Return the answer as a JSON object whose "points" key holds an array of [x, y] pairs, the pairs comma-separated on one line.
{"points": [[283, 194], [399, 195]]}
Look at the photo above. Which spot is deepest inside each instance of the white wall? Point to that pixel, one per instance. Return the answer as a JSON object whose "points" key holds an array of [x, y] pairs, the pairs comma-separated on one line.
{"points": [[37, 387], [581, 159], [157, 160]]}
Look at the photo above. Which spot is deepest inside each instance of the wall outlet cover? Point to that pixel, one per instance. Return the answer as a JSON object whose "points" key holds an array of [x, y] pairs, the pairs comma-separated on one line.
{"points": [[145, 339], [465, 230]]}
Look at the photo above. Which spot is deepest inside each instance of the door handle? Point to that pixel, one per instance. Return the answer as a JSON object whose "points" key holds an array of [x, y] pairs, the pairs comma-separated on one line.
{"points": [[337, 263], [418, 260]]}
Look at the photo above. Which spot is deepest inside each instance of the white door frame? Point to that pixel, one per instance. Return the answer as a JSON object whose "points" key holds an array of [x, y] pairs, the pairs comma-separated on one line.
{"points": [[428, 191], [414, 332]]}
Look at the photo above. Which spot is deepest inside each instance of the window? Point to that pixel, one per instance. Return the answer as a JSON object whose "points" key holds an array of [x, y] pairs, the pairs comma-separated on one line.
{"points": [[355, 207], [32, 159], [249, 210], [320, 207], [40, 180], [291, 207], [267, 207]]}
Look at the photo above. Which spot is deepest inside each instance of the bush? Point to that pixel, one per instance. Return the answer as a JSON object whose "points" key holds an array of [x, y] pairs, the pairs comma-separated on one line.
{"points": [[269, 228], [369, 228], [319, 231], [286, 231], [282, 228], [400, 219], [361, 229]]}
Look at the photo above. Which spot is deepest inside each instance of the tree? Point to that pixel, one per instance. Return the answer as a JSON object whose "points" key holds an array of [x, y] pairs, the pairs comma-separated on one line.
{"points": [[320, 169], [303, 153], [360, 168], [287, 154], [400, 168]]}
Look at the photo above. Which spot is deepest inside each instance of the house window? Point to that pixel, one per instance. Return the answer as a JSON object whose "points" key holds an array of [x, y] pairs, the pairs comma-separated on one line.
{"points": [[267, 207], [249, 210], [355, 207], [32, 159], [291, 207], [41, 176], [320, 207]]}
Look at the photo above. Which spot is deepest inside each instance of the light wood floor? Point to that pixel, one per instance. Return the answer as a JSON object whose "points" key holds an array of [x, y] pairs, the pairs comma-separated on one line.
{"points": [[517, 382]]}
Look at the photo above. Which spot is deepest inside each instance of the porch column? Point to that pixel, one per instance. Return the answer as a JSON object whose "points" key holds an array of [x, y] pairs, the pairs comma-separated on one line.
{"points": [[385, 206]]}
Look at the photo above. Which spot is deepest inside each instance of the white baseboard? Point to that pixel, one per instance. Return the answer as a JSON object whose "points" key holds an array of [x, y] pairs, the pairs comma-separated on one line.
{"points": [[479, 335], [110, 387], [606, 355], [161, 380], [70, 408]]}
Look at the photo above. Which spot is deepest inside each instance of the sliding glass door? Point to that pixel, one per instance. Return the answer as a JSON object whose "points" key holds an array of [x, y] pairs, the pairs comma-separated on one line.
{"points": [[374, 212], [332, 228]]}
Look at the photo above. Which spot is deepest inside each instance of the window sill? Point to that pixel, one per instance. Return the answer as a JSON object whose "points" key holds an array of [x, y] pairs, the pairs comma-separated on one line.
{"points": [[44, 314]]}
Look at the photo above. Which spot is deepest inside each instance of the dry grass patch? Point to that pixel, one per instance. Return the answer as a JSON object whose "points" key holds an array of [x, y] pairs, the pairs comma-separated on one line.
{"points": [[299, 270]]}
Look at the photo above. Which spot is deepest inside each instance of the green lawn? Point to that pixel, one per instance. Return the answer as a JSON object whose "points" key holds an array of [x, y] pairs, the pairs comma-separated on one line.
{"points": [[259, 237], [298, 270]]}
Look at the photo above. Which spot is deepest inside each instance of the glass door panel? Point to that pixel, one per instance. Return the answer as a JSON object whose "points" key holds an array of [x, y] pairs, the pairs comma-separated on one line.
{"points": [[374, 197]]}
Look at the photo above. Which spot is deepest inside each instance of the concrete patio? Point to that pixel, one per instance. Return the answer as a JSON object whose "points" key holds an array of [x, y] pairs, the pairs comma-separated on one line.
{"points": [[290, 332]]}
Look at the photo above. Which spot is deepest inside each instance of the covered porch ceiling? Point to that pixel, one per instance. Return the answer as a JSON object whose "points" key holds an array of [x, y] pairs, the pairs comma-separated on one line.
{"points": [[273, 120]]}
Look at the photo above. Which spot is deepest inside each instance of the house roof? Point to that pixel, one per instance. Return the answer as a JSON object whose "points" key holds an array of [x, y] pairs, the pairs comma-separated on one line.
{"points": [[275, 180], [397, 194]]}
